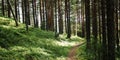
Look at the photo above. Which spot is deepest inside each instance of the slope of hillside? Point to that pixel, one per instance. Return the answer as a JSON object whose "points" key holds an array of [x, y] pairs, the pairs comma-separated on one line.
{"points": [[17, 44]]}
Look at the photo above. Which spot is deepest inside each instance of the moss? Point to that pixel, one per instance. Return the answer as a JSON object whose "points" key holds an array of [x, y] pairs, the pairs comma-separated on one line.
{"points": [[17, 44]]}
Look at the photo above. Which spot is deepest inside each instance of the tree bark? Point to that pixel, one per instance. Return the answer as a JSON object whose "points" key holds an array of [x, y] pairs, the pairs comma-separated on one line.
{"points": [[87, 15], [60, 16], [10, 8], [111, 29], [16, 14], [104, 32], [3, 8], [94, 27], [68, 20], [26, 14]]}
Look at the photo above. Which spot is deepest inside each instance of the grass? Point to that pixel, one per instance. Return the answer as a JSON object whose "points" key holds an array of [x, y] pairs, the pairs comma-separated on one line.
{"points": [[17, 44]]}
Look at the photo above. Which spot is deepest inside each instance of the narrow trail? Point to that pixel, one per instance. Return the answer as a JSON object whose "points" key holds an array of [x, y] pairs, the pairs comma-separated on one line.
{"points": [[72, 53]]}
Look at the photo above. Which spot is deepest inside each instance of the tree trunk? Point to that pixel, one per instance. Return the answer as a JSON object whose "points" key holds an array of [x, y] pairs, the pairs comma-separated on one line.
{"points": [[26, 14], [41, 18], [104, 32], [116, 23], [43, 15], [3, 8], [111, 29], [23, 11], [94, 27], [82, 17], [49, 12], [68, 20], [16, 14], [60, 16], [87, 15], [77, 22], [10, 8], [55, 19]]}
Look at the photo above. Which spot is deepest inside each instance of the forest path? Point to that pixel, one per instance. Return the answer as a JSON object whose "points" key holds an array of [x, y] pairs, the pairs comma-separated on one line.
{"points": [[72, 52]]}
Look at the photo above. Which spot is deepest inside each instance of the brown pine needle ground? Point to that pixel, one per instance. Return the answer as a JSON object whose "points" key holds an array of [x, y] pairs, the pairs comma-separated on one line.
{"points": [[72, 53]]}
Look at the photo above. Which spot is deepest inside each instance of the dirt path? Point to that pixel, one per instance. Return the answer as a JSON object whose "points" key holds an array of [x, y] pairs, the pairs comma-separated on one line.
{"points": [[72, 53]]}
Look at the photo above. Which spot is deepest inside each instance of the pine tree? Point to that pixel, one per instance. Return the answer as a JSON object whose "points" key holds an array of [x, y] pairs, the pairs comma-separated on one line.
{"points": [[110, 29], [87, 15]]}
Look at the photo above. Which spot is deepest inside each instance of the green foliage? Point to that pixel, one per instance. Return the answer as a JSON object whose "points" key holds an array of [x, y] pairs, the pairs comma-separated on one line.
{"points": [[18, 44], [6, 21], [81, 53]]}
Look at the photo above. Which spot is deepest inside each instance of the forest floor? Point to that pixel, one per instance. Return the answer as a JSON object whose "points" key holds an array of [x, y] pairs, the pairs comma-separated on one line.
{"points": [[18, 44], [73, 51]]}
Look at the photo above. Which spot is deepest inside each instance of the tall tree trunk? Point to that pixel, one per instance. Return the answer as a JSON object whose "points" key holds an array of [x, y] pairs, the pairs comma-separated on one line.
{"points": [[77, 21], [49, 12], [43, 15], [26, 13], [116, 23], [87, 15], [55, 19], [23, 11], [111, 29], [99, 19], [66, 29], [99, 29], [94, 27], [82, 17], [41, 18], [33, 10], [3, 8], [10, 7], [68, 20], [52, 16], [16, 14], [60, 18], [34, 6], [104, 32]]}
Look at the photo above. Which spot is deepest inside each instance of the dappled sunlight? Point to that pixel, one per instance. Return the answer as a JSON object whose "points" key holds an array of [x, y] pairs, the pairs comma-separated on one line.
{"points": [[74, 40], [5, 26], [10, 23], [28, 50], [65, 43], [59, 29], [61, 58]]}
